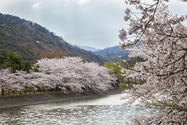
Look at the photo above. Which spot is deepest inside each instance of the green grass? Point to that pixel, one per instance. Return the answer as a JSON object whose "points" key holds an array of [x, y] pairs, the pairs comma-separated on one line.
{"points": [[30, 91]]}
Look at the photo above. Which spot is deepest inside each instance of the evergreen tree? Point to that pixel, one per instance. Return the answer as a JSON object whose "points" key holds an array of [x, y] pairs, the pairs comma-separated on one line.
{"points": [[16, 63], [27, 66], [2, 61]]}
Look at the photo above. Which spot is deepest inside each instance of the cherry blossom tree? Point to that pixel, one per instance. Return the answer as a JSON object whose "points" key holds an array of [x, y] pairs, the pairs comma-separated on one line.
{"points": [[73, 73], [25, 79], [8, 80], [67, 72], [164, 48]]}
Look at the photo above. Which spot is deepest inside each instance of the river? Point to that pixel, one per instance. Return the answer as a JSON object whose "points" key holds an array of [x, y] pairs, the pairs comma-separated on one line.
{"points": [[107, 110]]}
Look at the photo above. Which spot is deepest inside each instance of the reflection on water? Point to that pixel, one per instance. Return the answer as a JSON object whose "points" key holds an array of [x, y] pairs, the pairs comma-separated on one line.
{"points": [[103, 111]]}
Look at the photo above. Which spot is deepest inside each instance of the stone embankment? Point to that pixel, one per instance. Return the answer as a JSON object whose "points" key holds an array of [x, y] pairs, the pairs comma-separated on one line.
{"points": [[23, 100]]}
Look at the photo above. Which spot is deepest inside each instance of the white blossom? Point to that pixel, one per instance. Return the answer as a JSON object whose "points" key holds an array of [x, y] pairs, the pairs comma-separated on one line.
{"points": [[165, 69]]}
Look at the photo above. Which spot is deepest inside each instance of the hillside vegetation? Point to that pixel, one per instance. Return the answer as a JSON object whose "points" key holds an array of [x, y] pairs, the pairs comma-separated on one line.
{"points": [[30, 39]]}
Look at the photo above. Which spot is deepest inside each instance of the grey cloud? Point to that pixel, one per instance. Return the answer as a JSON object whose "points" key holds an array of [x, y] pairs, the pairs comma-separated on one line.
{"points": [[95, 24]]}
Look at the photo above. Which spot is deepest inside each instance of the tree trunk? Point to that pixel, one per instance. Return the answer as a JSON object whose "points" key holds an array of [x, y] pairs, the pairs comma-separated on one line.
{"points": [[43, 89], [2, 92], [56, 88], [8, 91], [25, 90]]}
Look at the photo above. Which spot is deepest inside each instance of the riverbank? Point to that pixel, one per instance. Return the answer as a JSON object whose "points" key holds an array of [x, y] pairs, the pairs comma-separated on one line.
{"points": [[24, 100]]}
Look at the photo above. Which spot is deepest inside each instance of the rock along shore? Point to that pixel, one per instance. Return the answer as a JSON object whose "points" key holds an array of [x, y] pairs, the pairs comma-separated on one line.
{"points": [[23, 100]]}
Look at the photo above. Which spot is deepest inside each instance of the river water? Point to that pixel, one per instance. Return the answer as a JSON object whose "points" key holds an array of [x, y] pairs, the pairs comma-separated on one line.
{"points": [[107, 110]]}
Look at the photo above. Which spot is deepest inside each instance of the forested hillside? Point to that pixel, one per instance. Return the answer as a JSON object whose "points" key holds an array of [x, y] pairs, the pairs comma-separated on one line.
{"points": [[29, 39]]}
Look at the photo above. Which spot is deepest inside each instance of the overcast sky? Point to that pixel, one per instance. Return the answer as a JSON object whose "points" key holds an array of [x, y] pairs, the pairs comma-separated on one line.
{"points": [[94, 23]]}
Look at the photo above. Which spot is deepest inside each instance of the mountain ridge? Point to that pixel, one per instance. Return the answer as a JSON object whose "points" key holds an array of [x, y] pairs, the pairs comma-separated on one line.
{"points": [[114, 53], [29, 39], [88, 48]]}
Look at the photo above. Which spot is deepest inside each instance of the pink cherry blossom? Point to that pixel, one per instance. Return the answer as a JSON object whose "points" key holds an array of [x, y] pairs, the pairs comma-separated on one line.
{"points": [[64, 72], [165, 50]]}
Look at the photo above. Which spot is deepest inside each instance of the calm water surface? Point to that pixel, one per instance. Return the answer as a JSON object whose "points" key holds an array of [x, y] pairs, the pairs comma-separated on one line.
{"points": [[107, 110]]}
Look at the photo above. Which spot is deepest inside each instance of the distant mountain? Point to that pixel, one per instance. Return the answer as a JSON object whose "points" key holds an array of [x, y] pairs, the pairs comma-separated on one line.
{"points": [[114, 53], [88, 48], [29, 39]]}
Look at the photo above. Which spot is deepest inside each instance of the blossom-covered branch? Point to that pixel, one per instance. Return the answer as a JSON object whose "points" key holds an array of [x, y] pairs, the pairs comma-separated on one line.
{"points": [[164, 38]]}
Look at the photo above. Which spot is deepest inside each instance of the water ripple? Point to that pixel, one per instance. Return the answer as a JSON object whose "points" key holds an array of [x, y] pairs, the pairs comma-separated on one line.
{"points": [[70, 113]]}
